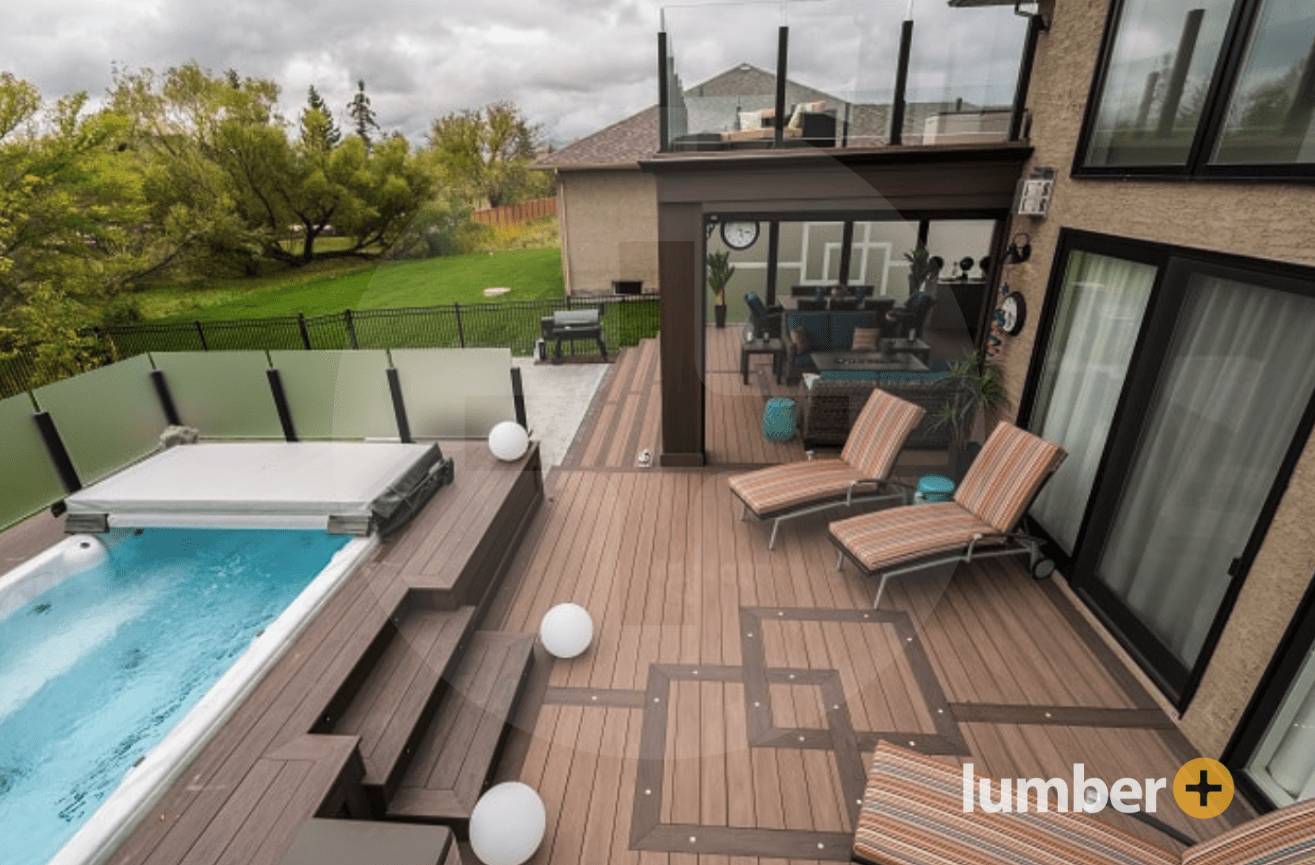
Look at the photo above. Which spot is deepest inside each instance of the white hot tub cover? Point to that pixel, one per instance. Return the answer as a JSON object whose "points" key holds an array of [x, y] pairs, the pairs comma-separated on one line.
{"points": [[351, 481]]}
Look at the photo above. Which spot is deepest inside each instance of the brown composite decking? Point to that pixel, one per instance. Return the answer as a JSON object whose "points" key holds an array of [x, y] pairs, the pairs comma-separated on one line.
{"points": [[726, 709], [728, 705]]}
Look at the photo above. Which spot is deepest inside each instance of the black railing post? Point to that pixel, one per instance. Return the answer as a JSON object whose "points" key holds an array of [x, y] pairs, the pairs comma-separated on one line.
{"points": [[664, 98], [281, 404], [68, 475], [399, 405], [461, 332], [782, 67], [1182, 62], [200, 332], [901, 83], [305, 333], [1036, 25], [166, 398], [518, 397], [351, 327]]}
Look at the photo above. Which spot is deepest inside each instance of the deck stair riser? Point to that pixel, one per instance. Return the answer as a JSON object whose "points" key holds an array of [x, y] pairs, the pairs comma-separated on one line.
{"points": [[456, 756], [390, 696]]}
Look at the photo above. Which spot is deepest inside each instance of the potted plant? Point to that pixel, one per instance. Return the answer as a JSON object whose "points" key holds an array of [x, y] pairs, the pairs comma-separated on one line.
{"points": [[720, 271], [920, 268], [976, 385]]}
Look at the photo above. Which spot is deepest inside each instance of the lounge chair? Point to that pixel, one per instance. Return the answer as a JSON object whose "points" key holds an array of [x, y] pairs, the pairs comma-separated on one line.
{"points": [[913, 814], [980, 522], [782, 492]]}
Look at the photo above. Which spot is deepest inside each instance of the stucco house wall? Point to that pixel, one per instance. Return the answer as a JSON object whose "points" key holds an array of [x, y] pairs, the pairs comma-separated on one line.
{"points": [[609, 229], [1260, 220]]}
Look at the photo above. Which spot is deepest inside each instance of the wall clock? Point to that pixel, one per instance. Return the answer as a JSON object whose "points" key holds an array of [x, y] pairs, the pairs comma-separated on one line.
{"points": [[1014, 308], [739, 235]]}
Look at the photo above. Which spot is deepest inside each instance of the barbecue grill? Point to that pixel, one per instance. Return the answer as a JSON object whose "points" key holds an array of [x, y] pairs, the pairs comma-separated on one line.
{"points": [[572, 325]]}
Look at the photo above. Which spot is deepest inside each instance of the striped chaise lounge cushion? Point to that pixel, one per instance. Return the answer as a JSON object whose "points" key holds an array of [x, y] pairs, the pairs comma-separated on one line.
{"points": [[913, 814], [894, 537], [1006, 474], [869, 454], [1283, 837]]}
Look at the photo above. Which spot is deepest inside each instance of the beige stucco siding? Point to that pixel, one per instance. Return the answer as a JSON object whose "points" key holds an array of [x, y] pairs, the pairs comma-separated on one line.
{"points": [[609, 229], [1262, 220]]}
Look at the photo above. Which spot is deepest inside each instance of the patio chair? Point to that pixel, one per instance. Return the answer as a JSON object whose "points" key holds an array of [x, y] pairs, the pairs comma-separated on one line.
{"points": [[791, 490], [912, 814], [766, 320], [979, 523]]}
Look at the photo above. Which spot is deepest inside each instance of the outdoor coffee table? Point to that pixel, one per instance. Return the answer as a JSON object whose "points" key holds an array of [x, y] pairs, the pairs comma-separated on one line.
{"points": [[864, 364]]}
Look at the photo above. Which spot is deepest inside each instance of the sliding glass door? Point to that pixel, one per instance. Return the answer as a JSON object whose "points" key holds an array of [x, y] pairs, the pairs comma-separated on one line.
{"points": [[1283, 766], [1100, 309], [1181, 388]]}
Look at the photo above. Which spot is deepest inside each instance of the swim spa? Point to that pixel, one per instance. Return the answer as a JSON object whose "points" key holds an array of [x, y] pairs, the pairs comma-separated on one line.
{"points": [[111, 678], [114, 676]]}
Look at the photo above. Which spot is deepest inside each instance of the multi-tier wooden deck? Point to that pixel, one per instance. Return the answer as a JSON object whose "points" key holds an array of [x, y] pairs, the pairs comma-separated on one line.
{"points": [[726, 709]]}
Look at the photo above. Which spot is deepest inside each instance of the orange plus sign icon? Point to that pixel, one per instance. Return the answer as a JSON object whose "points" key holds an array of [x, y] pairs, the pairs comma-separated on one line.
{"points": [[1203, 788]]}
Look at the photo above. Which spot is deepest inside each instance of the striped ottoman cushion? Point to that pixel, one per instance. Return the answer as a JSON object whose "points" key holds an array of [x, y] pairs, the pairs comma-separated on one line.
{"points": [[913, 815], [780, 488], [884, 539], [1283, 837]]}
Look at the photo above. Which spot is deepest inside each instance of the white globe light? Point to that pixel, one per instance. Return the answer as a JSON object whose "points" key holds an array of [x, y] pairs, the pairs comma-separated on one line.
{"points": [[509, 441], [566, 630], [507, 824]]}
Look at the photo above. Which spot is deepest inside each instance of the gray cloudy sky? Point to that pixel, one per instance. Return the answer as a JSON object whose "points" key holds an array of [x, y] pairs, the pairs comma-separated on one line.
{"points": [[573, 66]]}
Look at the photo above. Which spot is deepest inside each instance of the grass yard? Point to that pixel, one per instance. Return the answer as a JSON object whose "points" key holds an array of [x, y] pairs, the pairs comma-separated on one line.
{"points": [[531, 274]]}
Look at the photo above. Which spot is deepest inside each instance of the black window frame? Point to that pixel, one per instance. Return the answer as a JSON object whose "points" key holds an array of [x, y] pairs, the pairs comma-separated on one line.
{"points": [[1223, 80]]}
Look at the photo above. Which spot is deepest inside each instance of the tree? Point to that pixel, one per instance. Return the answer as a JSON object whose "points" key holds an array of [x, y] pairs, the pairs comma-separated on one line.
{"points": [[488, 151], [317, 123], [362, 114]]}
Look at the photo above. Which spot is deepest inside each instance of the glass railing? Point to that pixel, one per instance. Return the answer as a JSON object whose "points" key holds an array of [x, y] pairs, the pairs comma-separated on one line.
{"points": [[841, 72]]}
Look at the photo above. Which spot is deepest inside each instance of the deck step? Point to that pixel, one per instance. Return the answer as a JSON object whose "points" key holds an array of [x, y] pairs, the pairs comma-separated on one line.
{"points": [[393, 691], [455, 758]]}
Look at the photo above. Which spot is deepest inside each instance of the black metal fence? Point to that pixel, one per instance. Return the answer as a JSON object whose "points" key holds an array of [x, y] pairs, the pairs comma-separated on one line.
{"points": [[512, 324]]}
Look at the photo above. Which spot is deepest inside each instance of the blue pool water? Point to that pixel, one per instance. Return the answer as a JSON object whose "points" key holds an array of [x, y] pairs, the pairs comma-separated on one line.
{"points": [[98, 669]]}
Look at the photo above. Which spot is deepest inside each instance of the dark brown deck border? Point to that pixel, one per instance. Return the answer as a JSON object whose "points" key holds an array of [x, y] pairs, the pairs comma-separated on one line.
{"points": [[1061, 716]]}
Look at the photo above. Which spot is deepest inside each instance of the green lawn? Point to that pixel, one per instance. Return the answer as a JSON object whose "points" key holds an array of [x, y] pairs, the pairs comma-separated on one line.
{"points": [[531, 274]]}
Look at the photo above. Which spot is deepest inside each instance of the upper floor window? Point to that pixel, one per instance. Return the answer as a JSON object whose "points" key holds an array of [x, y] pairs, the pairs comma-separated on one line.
{"points": [[1220, 88]]}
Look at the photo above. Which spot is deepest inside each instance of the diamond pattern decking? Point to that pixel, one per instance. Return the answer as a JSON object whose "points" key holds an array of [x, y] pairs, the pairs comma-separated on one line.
{"points": [[727, 708]]}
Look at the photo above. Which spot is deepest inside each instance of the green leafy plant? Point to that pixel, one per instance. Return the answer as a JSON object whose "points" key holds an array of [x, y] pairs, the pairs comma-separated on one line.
{"points": [[977, 385], [920, 268], [720, 271]]}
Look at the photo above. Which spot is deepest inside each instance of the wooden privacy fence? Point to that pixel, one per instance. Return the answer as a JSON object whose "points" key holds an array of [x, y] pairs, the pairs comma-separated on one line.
{"points": [[514, 214]]}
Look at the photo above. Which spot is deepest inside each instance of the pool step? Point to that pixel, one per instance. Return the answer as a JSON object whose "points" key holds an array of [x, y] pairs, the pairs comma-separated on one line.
{"points": [[394, 689], [454, 759]]}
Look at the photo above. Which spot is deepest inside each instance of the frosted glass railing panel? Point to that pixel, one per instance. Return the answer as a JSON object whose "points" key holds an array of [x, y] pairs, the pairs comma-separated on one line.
{"points": [[30, 479], [963, 69], [223, 394], [107, 417], [844, 54], [337, 395], [455, 393]]}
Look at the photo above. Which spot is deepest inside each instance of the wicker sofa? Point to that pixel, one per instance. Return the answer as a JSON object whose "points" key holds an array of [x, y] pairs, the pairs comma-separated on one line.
{"points": [[832, 406], [827, 331]]}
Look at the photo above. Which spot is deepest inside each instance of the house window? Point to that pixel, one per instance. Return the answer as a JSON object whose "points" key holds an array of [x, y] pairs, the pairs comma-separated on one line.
{"points": [[1211, 88], [1270, 111]]}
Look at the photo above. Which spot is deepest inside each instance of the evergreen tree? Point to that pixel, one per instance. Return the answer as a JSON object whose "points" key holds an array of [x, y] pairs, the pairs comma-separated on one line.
{"points": [[362, 114], [314, 101]]}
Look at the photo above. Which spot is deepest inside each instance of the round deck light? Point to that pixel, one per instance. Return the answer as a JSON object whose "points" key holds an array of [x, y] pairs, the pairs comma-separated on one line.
{"points": [[507, 824], [508, 441], [566, 630]]}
